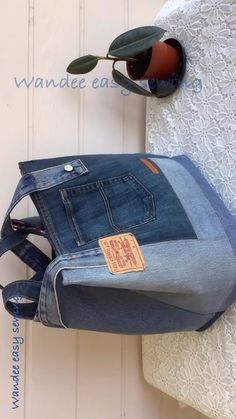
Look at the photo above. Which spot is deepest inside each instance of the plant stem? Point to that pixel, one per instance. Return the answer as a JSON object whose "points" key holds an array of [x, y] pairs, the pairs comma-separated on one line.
{"points": [[116, 59]]}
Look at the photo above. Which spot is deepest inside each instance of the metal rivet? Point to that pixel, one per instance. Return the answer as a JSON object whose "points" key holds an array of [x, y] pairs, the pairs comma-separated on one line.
{"points": [[68, 168]]}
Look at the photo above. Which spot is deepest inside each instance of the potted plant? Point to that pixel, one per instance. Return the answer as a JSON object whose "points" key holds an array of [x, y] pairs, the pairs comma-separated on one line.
{"points": [[146, 57]]}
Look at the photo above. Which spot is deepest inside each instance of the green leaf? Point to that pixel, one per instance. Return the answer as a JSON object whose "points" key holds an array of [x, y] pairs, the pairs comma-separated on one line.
{"points": [[135, 41], [82, 65], [128, 84]]}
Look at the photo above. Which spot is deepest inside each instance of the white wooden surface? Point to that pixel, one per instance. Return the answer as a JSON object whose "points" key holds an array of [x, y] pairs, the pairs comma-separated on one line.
{"points": [[68, 374]]}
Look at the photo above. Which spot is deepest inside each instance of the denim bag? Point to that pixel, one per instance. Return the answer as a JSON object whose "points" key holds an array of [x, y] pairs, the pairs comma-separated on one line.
{"points": [[141, 244]]}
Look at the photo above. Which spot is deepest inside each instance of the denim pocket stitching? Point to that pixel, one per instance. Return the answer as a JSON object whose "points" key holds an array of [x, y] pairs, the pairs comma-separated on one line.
{"points": [[107, 205], [145, 194], [141, 190], [71, 217], [136, 185]]}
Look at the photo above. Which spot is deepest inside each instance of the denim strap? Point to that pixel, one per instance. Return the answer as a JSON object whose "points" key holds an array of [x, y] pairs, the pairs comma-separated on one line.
{"points": [[15, 240], [29, 289], [22, 289], [11, 240], [14, 237]]}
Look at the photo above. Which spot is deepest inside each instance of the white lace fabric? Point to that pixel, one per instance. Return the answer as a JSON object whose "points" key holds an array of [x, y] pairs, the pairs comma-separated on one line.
{"points": [[199, 120]]}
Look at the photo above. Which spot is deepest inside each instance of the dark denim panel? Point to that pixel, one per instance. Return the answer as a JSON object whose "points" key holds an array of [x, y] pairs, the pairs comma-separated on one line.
{"points": [[107, 206], [95, 204], [121, 311]]}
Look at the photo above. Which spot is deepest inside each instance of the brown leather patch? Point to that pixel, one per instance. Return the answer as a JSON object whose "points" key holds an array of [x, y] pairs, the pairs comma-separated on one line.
{"points": [[122, 253], [150, 165]]}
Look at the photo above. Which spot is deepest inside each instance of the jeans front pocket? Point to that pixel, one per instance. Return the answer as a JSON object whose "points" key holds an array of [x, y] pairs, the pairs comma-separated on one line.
{"points": [[107, 206]]}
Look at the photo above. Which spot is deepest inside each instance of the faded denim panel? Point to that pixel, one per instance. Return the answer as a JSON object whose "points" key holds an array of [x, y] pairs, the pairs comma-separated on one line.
{"points": [[169, 271], [227, 219], [200, 212]]}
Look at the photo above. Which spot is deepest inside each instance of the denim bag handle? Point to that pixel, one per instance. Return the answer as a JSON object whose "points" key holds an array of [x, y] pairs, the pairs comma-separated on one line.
{"points": [[14, 234], [14, 237], [29, 289], [22, 289]]}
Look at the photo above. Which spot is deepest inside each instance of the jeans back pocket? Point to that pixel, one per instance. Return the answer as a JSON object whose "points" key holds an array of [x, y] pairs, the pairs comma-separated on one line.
{"points": [[107, 206]]}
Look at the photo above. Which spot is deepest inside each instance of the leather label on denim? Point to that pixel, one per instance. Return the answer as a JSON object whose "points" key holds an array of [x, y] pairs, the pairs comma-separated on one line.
{"points": [[122, 253], [150, 165]]}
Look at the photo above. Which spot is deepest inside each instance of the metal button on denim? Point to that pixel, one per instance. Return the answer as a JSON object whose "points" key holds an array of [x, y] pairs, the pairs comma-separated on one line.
{"points": [[68, 168]]}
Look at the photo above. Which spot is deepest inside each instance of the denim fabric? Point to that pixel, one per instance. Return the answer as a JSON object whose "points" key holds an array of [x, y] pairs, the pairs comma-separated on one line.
{"points": [[169, 267], [202, 216], [122, 311], [227, 219], [189, 278], [112, 197]]}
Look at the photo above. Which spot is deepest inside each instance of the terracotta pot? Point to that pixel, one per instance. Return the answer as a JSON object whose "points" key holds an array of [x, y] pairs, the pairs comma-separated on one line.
{"points": [[158, 62]]}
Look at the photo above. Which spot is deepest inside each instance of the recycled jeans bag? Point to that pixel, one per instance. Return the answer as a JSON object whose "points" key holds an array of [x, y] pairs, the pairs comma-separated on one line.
{"points": [[141, 244]]}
